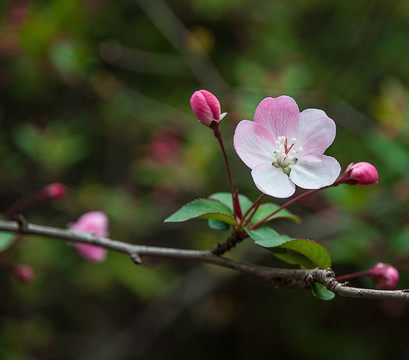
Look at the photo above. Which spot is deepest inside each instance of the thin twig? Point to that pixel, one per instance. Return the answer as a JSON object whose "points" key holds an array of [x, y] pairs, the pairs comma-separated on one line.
{"points": [[278, 277]]}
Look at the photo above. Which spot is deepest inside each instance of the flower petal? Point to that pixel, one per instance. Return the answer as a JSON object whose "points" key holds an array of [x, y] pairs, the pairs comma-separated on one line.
{"points": [[316, 132], [253, 143], [278, 115], [93, 253], [272, 181], [92, 221], [314, 172]]}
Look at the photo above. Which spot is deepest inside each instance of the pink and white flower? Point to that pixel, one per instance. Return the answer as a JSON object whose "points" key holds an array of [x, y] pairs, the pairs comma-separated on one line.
{"points": [[95, 222], [285, 148]]}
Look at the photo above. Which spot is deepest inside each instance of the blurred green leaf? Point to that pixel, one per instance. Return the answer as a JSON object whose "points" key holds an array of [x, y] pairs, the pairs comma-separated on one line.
{"points": [[70, 58], [142, 281], [321, 292], [54, 147], [396, 159], [6, 240], [203, 209]]}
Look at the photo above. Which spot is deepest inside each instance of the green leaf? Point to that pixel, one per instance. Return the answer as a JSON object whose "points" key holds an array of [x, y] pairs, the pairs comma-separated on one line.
{"points": [[262, 212], [266, 209], [203, 209], [6, 240], [293, 258], [267, 237], [311, 254], [70, 58], [226, 199], [321, 292], [218, 225]]}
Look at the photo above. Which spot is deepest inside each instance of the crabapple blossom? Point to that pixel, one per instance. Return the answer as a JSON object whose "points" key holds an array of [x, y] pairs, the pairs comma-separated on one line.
{"points": [[95, 222], [163, 149], [206, 107], [285, 148]]}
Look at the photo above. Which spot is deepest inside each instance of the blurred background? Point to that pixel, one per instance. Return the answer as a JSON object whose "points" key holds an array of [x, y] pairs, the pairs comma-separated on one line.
{"points": [[95, 94]]}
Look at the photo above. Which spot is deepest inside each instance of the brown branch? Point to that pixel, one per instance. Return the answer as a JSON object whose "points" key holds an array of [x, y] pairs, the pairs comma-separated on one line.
{"points": [[278, 277], [231, 242]]}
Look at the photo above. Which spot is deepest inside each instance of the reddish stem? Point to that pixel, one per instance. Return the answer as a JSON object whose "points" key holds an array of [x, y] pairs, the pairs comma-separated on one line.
{"points": [[252, 210], [235, 199], [292, 201], [353, 275], [288, 203], [51, 191], [24, 203]]}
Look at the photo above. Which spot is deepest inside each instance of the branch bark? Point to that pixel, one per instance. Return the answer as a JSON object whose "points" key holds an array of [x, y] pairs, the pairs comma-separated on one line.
{"points": [[276, 276]]}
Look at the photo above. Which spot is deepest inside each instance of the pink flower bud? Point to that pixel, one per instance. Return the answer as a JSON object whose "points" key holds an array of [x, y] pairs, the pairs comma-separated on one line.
{"points": [[55, 190], [49, 192], [206, 107], [361, 173], [95, 222], [384, 276], [24, 273]]}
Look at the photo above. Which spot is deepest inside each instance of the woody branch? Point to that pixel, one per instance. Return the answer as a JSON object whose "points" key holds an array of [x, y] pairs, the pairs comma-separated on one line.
{"points": [[277, 276]]}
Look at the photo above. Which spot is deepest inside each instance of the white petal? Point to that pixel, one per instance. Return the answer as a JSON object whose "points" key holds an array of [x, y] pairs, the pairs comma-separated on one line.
{"points": [[272, 181], [280, 116], [253, 144], [316, 132], [314, 172]]}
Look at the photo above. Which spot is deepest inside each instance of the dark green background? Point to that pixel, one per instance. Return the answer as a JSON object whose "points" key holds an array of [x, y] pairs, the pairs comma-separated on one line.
{"points": [[95, 94]]}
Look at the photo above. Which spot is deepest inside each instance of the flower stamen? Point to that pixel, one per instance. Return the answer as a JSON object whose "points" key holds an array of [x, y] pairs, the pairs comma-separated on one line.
{"points": [[285, 154]]}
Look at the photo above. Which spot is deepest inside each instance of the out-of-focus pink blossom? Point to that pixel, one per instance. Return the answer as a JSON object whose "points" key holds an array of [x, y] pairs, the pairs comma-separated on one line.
{"points": [[15, 18], [95, 222], [54, 190], [362, 173], [285, 148], [24, 273], [18, 14], [163, 149], [384, 276], [206, 107], [164, 194], [394, 308], [9, 44]]}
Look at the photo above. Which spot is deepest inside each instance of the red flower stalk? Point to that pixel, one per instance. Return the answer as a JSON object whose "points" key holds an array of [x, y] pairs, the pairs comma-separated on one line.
{"points": [[49, 192]]}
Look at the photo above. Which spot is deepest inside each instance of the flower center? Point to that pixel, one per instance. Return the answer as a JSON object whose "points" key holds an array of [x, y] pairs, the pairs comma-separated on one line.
{"points": [[286, 154]]}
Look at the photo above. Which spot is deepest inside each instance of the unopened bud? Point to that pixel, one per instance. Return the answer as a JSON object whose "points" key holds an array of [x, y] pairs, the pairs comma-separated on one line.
{"points": [[24, 273], [95, 222], [361, 173], [49, 192], [206, 107], [55, 190], [384, 276]]}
